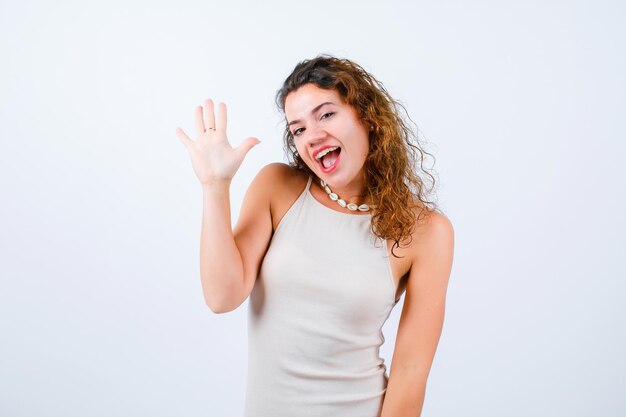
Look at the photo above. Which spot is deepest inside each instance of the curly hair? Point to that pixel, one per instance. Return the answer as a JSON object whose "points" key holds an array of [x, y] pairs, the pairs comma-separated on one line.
{"points": [[393, 183]]}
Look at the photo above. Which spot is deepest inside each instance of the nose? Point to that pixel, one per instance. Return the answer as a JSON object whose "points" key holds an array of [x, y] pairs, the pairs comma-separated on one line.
{"points": [[316, 134]]}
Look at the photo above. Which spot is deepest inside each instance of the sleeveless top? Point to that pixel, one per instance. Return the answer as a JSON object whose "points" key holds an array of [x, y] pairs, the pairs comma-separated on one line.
{"points": [[315, 317]]}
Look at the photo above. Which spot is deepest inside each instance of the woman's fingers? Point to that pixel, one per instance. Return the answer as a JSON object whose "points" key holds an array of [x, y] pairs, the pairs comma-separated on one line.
{"points": [[221, 117], [209, 114], [205, 117], [183, 137], [245, 146], [199, 122]]}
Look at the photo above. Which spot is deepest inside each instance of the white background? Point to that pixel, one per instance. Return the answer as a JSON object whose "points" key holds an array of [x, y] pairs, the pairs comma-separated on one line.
{"points": [[101, 309]]}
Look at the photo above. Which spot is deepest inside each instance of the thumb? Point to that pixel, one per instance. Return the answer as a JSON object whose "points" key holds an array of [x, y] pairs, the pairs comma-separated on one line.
{"points": [[246, 145]]}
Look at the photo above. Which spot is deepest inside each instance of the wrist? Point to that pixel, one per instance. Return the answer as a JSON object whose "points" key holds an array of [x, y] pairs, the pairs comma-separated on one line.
{"points": [[216, 184]]}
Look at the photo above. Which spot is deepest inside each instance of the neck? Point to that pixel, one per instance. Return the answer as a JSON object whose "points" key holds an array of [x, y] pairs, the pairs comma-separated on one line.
{"points": [[353, 191], [350, 196]]}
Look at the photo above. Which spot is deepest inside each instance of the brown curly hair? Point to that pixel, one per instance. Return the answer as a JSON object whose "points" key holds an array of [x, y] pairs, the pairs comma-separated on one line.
{"points": [[393, 183]]}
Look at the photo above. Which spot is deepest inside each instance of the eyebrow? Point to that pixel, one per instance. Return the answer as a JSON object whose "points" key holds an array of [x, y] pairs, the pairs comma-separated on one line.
{"points": [[312, 112]]}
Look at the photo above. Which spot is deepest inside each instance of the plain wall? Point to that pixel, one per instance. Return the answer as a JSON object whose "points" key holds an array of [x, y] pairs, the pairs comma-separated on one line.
{"points": [[522, 104]]}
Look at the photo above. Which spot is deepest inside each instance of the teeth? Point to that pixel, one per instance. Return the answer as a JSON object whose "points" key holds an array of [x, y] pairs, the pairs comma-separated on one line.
{"points": [[325, 151]]}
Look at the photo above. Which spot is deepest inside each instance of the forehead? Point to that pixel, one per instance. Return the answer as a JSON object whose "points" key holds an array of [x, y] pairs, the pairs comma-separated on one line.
{"points": [[299, 103]]}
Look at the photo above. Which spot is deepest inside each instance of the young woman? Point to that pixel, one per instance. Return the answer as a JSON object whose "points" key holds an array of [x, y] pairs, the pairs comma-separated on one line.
{"points": [[325, 247]]}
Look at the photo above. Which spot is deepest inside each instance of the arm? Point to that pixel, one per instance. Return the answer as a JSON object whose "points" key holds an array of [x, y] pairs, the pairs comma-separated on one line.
{"points": [[221, 266], [225, 261], [231, 259], [422, 319]]}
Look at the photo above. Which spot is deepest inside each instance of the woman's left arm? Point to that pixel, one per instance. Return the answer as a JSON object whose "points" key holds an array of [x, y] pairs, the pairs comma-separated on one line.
{"points": [[422, 318]]}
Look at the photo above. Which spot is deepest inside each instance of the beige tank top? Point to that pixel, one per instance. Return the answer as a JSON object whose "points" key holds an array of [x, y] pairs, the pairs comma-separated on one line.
{"points": [[315, 317]]}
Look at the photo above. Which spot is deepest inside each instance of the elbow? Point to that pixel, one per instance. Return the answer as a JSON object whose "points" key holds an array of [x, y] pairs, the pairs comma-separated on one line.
{"points": [[222, 300], [220, 307], [221, 310], [217, 308]]}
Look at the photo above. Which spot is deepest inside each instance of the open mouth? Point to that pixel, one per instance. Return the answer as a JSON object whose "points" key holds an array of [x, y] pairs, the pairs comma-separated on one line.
{"points": [[328, 158]]}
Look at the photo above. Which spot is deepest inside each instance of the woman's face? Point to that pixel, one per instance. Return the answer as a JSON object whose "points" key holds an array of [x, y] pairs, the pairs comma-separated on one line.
{"points": [[328, 133]]}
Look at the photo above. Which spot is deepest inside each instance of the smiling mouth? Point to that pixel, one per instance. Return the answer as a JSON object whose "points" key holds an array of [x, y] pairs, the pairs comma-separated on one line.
{"points": [[329, 159]]}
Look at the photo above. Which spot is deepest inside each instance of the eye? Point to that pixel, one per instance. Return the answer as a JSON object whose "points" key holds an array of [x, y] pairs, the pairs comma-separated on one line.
{"points": [[297, 131], [327, 115]]}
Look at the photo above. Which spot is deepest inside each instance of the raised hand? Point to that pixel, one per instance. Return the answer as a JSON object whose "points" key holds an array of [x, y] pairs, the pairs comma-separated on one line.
{"points": [[212, 156]]}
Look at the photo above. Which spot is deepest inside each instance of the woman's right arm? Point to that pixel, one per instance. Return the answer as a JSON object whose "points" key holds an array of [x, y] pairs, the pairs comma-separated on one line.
{"points": [[229, 260]]}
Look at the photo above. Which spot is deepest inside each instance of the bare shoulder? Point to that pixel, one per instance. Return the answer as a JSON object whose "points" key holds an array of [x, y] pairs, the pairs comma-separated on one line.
{"points": [[278, 174], [434, 224], [272, 180], [276, 169], [433, 233], [283, 184]]}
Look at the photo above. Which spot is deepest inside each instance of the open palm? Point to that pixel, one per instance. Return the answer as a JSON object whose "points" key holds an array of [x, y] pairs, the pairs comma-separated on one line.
{"points": [[212, 156]]}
